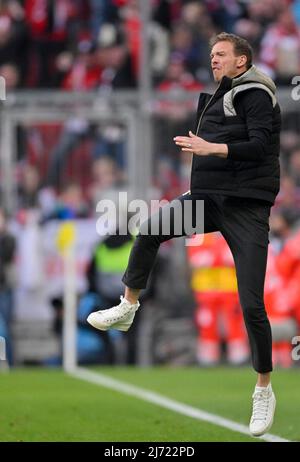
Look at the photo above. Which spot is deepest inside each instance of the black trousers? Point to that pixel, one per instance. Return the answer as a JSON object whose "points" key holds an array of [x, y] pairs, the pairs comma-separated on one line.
{"points": [[244, 223]]}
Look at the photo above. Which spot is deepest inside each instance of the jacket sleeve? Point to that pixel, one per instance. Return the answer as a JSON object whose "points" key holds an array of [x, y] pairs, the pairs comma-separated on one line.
{"points": [[255, 107]]}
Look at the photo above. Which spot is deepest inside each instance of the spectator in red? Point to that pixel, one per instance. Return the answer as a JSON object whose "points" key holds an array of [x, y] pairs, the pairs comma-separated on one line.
{"points": [[85, 73], [280, 283], [218, 313], [48, 24]]}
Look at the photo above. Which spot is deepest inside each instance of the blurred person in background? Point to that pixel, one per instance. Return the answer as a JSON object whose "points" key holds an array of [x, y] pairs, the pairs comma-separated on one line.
{"points": [[29, 188], [289, 195], [70, 204], [165, 181], [82, 71], [117, 73], [101, 13], [10, 73], [7, 283], [103, 66], [48, 23], [173, 114], [218, 314], [280, 47], [177, 77], [294, 167], [130, 22], [281, 304], [106, 180], [254, 21], [289, 139], [79, 73], [116, 59], [236, 172], [31, 262], [224, 14], [104, 276], [110, 141], [286, 229], [185, 44], [14, 39]]}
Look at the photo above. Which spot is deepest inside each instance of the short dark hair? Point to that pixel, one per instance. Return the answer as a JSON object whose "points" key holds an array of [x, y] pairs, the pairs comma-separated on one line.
{"points": [[240, 45]]}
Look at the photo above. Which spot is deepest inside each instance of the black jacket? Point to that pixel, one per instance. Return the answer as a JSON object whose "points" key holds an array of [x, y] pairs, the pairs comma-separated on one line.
{"points": [[244, 114]]}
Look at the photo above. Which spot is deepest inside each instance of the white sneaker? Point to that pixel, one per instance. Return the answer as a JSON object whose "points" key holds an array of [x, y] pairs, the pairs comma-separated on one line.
{"points": [[118, 317], [264, 404]]}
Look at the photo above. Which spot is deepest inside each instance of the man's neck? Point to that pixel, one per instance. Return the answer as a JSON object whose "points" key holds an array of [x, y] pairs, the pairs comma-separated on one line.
{"points": [[239, 74]]}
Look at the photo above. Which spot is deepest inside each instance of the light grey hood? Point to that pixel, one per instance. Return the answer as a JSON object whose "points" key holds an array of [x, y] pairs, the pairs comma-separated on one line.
{"points": [[252, 78], [253, 74]]}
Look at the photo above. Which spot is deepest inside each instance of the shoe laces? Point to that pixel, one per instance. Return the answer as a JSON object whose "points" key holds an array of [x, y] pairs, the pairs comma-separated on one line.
{"points": [[260, 405], [118, 312]]}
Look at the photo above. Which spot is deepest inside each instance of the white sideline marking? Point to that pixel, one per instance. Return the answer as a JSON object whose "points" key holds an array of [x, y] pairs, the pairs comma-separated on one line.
{"points": [[176, 406]]}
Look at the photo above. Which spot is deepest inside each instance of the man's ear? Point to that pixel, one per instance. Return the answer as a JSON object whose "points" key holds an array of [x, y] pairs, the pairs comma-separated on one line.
{"points": [[242, 61]]}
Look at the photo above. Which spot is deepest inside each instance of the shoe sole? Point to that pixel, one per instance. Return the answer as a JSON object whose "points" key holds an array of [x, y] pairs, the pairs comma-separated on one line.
{"points": [[103, 327], [268, 427]]}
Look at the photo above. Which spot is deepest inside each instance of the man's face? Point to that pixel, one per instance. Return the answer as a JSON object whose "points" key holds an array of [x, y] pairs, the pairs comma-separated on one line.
{"points": [[225, 62]]}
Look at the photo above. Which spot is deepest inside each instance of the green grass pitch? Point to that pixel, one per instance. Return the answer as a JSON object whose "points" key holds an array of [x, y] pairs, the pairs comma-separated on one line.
{"points": [[48, 405]]}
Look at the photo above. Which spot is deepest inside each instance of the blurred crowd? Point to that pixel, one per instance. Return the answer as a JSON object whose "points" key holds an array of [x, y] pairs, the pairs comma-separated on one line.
{"points": [[62, 171], [87, 44]]}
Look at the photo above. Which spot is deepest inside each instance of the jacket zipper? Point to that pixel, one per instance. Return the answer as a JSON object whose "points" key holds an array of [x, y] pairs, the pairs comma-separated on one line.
{"points": [[198, 127]]}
